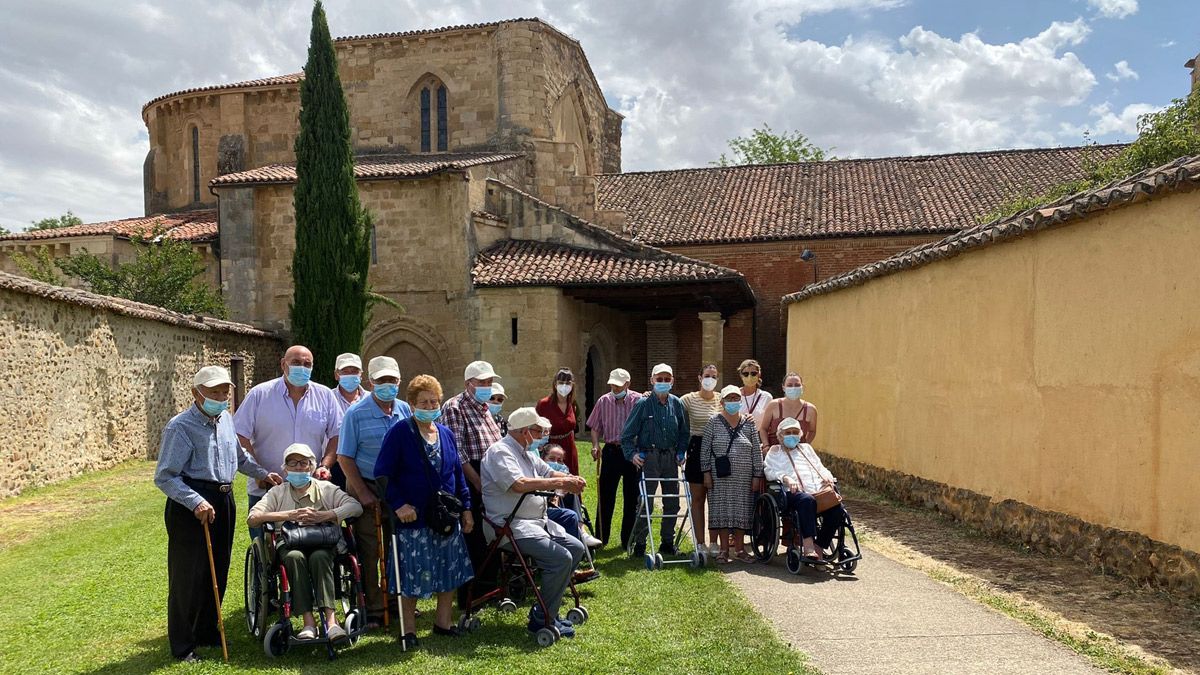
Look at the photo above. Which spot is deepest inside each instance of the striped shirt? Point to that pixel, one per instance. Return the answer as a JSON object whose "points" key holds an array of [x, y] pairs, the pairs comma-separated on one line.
{"points": [[609, 415], [474, 428], [699, 410]]}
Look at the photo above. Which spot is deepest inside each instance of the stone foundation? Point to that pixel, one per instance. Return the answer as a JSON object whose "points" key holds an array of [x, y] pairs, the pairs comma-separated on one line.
{"points": [[1129, 554]]}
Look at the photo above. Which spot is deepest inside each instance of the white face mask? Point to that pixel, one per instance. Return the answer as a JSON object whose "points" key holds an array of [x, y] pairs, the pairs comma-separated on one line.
{"points": [[708, 383], [563, 389]]}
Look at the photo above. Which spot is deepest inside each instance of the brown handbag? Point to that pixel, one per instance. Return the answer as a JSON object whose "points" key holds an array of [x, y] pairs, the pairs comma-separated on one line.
{"points": [[827, 497]]}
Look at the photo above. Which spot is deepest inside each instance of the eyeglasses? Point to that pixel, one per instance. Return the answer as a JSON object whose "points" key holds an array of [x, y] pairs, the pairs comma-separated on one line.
{"points": [[298, 463], [749, 373]]}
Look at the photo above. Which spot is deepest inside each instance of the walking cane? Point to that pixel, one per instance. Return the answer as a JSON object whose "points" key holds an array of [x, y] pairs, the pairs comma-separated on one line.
{"points": [[599, 500], [399, 600], [212, 568], [382, 565]]}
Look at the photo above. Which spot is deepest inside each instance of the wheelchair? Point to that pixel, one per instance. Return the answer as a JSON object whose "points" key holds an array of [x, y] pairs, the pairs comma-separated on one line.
{"points": [[267, 592], [770, 526], [515, 580]]}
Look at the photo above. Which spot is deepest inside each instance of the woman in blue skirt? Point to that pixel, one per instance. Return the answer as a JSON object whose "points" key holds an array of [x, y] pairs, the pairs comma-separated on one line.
{"points": [[419, 457]]}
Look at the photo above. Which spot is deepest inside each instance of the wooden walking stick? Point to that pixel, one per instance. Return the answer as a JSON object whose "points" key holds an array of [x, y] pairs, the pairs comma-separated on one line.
{"points": [[212, 569], [382, 566]]}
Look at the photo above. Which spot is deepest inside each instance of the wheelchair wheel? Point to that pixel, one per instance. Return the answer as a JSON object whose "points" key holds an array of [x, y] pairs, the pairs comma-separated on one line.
{"points": [[352, 623], [850, 565], [793, 561], [255, 591], [275, 642], [764, 537]]}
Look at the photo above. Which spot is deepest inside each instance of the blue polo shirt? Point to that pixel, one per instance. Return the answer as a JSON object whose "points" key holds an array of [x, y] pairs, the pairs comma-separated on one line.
{"points": [[363, 428]]}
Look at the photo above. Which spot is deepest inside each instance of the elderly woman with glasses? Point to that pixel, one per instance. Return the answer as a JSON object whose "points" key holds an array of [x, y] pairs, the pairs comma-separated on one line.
{"points": [[305, 500], [559, 408]]}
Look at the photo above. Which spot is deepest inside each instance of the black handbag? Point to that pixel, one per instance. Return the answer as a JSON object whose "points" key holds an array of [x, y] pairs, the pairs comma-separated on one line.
{"points": [[444, 509], [296, 537], [722, 468]]}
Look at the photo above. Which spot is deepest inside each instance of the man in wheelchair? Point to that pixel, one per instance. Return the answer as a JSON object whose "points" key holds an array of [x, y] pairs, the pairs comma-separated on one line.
{"points": [[305, 503], [510, 469], [798, 468]]}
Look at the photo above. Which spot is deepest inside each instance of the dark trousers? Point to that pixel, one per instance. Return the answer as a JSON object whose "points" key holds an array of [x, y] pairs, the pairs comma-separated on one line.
{"points": [[191, 613], [477, 547], [614, 469], [805, 508]]}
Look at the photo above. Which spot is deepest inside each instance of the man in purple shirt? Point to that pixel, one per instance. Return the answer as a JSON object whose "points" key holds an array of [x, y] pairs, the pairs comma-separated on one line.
{"points": [[288, 409], [607, 421]]}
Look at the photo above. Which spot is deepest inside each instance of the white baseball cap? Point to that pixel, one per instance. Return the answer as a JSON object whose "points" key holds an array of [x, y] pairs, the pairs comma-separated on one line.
{"points": [[662, 368], [788, 423], [498, 388], [383, 366], [526, 417], [211, 376], [479, 370], [731, 389], [619, 377], [299, 449], [347, 360]]}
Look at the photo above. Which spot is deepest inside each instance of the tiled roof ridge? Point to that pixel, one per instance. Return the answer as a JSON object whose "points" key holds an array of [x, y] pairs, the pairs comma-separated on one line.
{"points": [[445, 29], [653, 254], [269, 81], [864, 160], [138, 310], [284, 173], [1182, 174], [111, 227], [623, 244]]}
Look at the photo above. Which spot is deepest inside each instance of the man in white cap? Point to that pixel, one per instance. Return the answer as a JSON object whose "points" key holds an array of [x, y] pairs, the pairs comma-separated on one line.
{"points": [[197, 460], [511, 468], [655, 439], [468, 417], [347, 370], [363, 429], [606, 422], [289, 409]]}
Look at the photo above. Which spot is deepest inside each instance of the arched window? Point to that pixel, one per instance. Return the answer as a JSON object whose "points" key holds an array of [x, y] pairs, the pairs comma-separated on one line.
{"points": [[195, 164], [443, 131], [425, 120]]}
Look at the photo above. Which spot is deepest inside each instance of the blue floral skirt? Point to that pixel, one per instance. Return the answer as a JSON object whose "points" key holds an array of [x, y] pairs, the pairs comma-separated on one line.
{"points": [[431, 563]]}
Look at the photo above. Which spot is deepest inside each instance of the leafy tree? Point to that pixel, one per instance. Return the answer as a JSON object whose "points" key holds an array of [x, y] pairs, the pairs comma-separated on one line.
{"points": [[68, 219], [329, 308], [164, 272], [764, 146], [4, 231], [38, 266]]}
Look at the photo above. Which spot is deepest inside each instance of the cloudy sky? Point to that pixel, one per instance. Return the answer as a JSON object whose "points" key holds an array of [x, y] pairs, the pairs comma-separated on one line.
{"points": [[864, 77]]}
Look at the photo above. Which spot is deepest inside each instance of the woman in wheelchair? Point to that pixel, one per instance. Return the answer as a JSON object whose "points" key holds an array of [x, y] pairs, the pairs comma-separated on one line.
{"points": [[307, 501], [798, 468]]}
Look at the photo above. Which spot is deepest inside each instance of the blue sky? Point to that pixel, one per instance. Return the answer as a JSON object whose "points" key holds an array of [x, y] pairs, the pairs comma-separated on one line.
{"points": [[867, 78]]}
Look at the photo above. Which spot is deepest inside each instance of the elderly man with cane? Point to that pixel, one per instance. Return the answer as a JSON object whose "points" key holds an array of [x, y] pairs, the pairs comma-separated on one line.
{"points": [[197, 460]]}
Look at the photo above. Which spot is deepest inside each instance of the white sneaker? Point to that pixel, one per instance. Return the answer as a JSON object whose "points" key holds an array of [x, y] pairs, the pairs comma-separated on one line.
{"points": [[307, 633], [713, 550], [591, 542]]}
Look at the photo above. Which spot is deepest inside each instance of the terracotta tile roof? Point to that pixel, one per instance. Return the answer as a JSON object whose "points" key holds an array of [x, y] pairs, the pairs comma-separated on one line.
{"points": [[194, 226], [275, 81], [75, 296], [1181, 175], [434, 31], [374, 167], [534, 263], [895, 195]]}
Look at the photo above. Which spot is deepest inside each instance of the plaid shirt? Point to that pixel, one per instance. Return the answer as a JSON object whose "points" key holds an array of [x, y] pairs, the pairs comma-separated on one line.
{"points": [[473, 427]]}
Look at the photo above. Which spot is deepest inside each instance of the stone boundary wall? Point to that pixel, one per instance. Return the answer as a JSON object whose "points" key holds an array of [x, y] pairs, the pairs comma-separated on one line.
{"points": [[1105, 549], [88, 381]]}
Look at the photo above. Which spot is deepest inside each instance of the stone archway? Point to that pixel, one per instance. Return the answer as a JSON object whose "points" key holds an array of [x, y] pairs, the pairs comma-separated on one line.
{"points": [[599, 350], [415, 345]]}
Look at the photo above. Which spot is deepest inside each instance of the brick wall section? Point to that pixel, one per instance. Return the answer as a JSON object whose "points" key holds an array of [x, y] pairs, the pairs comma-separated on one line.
{"points": [[88, 381], [774, 269]]}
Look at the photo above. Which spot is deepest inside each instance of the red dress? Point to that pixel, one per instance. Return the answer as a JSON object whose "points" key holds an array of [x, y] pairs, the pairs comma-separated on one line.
{"points": [[562, 429]]}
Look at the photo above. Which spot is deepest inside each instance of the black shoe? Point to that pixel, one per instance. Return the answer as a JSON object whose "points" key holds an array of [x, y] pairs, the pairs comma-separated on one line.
{"points": [[668, 549], [190, 657], [452, 631], [409, 640], [639, 550]]}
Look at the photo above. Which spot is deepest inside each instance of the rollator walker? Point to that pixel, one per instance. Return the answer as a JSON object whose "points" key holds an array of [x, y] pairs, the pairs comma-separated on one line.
{"points": [[683, 523]]}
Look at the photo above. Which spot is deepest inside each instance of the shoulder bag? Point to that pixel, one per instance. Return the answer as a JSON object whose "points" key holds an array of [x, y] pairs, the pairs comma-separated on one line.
{"points": [[722, 468], [827, 497], [444, 509]]}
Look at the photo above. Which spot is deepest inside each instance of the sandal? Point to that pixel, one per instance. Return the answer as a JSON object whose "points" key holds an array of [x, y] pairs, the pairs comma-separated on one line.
{"points": [[745, 557], [307, 633], [723, 557]]}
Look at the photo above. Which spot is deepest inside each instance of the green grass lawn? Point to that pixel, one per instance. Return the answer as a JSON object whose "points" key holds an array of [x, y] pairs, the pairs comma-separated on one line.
{"points": [[84, 563]]}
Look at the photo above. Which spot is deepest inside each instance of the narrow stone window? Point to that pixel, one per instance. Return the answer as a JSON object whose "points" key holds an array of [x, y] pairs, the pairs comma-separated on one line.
{"points": [[195, 164], [443, 132], [374, 247], [425, 120], [514, 330]]}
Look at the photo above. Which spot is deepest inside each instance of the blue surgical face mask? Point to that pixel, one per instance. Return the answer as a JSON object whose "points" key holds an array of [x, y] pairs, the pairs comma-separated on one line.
{"points": [[298, 376], [350, 382], [662, 387], [495, 408], [482, 394], [791, 441], [558, 466], [537, 443], [213, 408], [620, 394], [298, 478], [386, 391], [793, 393], [426, 416], [733, 407]]}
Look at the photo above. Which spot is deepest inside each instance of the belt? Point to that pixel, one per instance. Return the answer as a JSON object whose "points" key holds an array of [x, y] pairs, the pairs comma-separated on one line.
{"points": [[208, 484], [612, 444], [560, 436]]}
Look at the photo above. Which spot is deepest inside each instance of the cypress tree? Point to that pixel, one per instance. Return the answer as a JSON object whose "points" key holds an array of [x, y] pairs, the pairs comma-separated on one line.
{"points": [[329, 268]]}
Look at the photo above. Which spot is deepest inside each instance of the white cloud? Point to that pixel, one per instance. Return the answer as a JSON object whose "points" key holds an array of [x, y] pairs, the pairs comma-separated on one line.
{"points": [[1115, 9], [1122, 71], [1168, 43], [1104, 121]]}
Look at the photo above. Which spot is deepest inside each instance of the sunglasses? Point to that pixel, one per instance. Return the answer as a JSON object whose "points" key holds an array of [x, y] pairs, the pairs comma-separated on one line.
{"points": [[659, 379], [750, 373]]}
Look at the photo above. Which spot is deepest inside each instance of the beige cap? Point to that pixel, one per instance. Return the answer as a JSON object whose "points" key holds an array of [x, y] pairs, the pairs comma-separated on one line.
{"points": [[347, 360], [731, 389], [662, 368], [383, 366], [479, 370], [299, 449], [526, 417], [619, 377], [211, 376], [498, 388], [788, 423]]}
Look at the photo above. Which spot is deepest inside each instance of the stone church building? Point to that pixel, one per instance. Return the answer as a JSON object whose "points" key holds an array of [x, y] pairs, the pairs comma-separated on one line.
{"points": [[504, 226]]}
